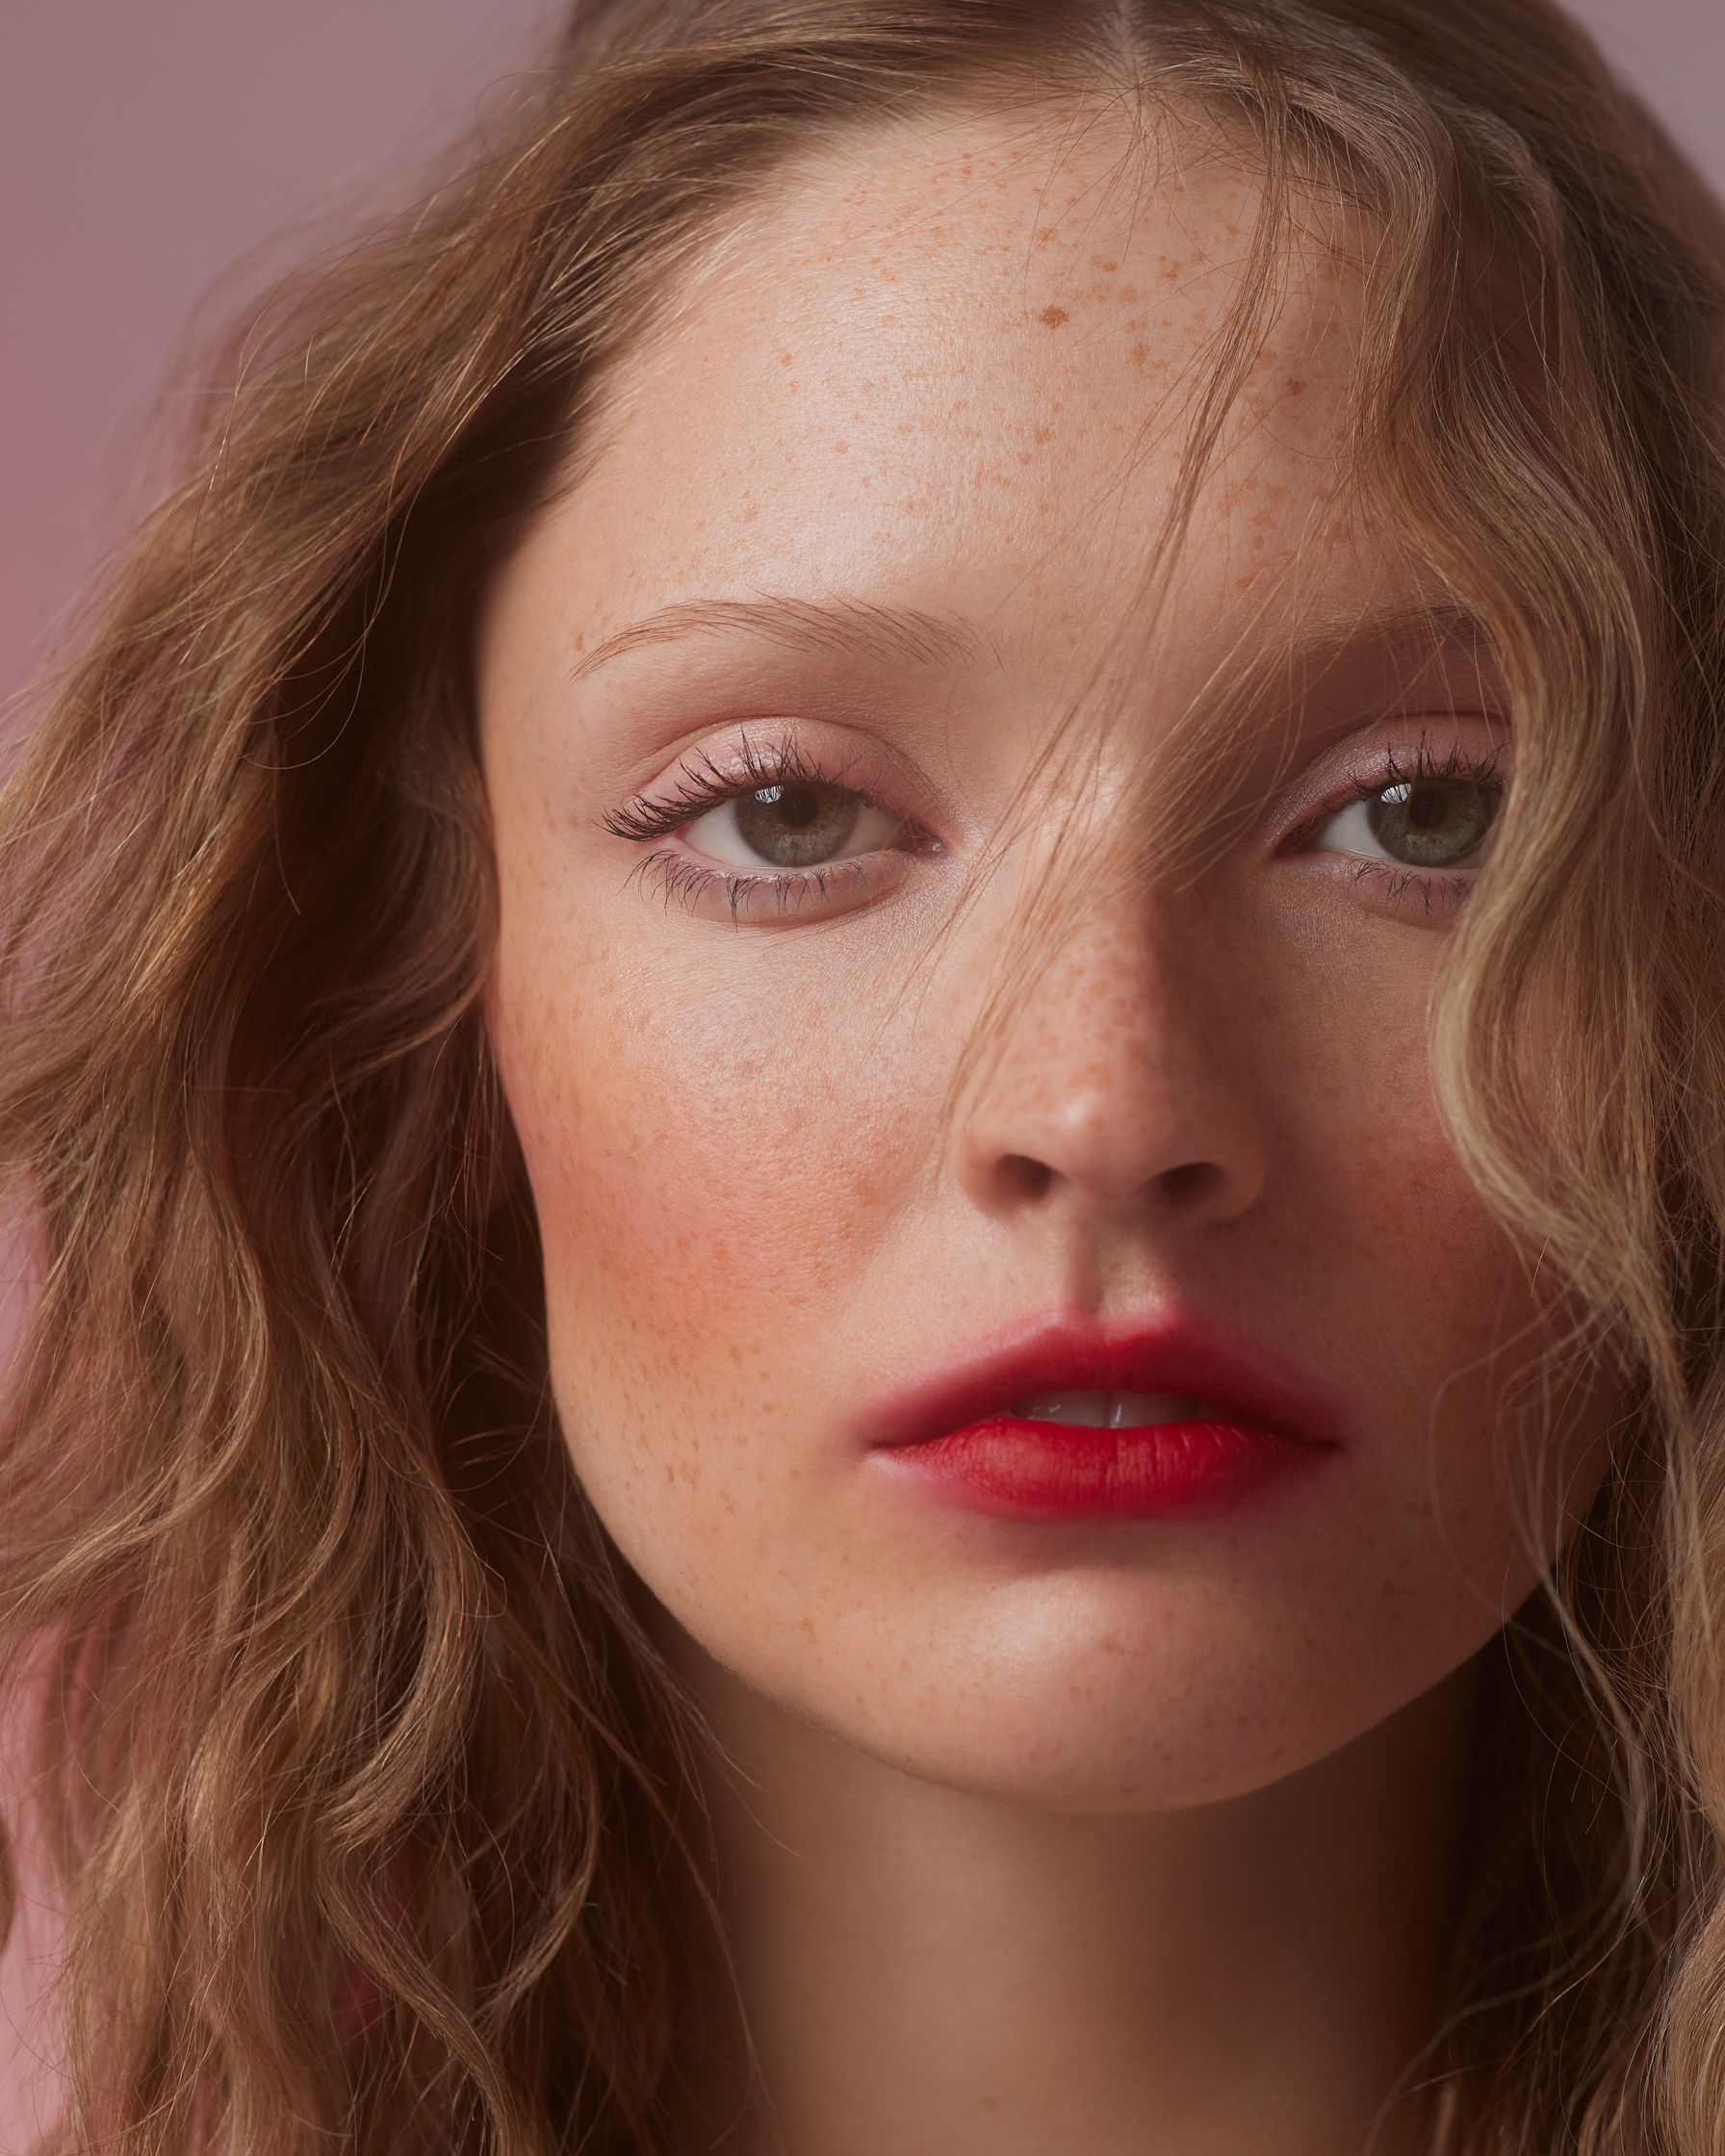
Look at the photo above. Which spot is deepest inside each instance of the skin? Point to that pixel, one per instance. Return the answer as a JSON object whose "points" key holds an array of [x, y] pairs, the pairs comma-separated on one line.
{"points": [[1120, 1837]]}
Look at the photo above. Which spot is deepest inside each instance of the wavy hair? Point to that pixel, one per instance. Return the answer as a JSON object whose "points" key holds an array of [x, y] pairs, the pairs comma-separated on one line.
{"points": [[364, 1777]]}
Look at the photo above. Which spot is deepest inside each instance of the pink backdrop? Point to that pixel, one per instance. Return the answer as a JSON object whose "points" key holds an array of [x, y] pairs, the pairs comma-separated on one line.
{"points": [[145, 147]]}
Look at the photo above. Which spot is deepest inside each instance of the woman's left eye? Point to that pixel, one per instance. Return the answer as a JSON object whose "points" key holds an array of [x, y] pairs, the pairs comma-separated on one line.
{"points": [[1426, 827]]}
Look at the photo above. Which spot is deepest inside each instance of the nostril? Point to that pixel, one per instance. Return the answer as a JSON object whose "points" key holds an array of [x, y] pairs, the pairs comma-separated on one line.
{"points": [[1191, 1178], [1032, 1175]]}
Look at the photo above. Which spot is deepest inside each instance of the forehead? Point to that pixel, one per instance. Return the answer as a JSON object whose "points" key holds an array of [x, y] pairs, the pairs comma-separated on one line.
{"points": [[954, 359]]}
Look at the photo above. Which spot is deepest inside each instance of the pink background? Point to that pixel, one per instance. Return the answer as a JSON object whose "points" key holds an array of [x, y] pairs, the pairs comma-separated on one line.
{"points": [[145, 147]]}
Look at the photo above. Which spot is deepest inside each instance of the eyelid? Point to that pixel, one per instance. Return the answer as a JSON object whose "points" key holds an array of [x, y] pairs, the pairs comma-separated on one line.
{"points": [[869, 768]]}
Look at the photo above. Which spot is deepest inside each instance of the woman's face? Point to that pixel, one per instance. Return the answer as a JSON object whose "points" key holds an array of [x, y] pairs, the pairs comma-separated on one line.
{"points": [[946, 369]]}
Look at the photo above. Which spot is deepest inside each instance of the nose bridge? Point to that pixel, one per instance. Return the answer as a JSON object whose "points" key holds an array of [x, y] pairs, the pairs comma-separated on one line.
{"points": [[1116, 1080]]}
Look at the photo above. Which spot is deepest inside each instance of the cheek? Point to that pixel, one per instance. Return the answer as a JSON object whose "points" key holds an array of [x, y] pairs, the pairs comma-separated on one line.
{"points": [[708, 1180], [1489, 1456]]}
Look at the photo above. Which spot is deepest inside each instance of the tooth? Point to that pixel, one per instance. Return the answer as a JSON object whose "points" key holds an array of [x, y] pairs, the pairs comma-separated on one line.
{"points": [[1109, 1410], [1089, 1409]]}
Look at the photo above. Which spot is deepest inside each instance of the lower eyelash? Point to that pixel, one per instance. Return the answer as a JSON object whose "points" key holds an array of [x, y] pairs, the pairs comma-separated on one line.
{"points": [[1451, 889], [687, 880]]}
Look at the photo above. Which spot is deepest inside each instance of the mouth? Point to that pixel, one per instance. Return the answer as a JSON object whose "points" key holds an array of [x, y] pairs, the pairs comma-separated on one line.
{"points": [[1073, 1371], [1072, 1421]]}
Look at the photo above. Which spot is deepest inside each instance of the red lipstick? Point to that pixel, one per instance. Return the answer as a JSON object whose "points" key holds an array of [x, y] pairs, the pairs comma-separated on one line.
{"points": [[1254, 1418]]}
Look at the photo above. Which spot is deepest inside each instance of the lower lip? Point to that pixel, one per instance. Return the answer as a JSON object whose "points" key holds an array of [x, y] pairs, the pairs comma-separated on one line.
{"points": [[1022, 1469]]}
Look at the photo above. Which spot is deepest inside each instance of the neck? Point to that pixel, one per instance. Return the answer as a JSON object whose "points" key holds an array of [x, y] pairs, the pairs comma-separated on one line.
{"points": [[922, 1968]]}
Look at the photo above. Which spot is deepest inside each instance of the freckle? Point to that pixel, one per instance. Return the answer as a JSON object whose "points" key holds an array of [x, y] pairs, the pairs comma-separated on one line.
{"points": [[1294, 385], [670, 1474], [1025, 455], [1045, 434], [840, 449], [791, 387], [1139, 353], [1053, 316], [785, 359], [750, 514], [1129, 294]]}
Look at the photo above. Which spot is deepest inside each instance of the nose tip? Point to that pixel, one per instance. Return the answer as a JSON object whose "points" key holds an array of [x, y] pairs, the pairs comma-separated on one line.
{"points": [[1108, 1170], [1115, 1090]]}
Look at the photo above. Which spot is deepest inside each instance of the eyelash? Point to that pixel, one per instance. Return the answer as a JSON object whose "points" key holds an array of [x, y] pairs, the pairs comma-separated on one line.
{"points": [[643, 818]]}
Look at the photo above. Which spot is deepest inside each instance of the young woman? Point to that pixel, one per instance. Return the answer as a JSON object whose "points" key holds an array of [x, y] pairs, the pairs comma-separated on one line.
{"points": [[867, 1011]]}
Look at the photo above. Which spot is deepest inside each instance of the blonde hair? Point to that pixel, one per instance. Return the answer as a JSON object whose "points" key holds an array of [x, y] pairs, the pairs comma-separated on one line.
{"points": [[364, 1776]]}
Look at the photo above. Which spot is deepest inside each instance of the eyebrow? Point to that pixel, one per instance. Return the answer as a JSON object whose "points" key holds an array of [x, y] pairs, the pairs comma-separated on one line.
{"points": [[1428, 624], [839, 624], [892, 634]]}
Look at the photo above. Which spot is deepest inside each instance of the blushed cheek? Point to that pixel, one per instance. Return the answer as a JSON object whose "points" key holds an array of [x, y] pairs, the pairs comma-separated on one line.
{"points": [[1509, 1450], [698, 1220]]}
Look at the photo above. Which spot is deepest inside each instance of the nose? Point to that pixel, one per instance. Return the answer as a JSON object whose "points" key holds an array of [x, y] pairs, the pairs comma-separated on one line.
{"points": [[1114, 1092]]}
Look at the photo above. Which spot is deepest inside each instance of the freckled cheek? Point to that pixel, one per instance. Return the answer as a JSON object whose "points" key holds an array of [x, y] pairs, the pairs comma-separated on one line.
{"points": [[697, 1186], [1405, 1240], [1445, 1312], [1382, 1171]]}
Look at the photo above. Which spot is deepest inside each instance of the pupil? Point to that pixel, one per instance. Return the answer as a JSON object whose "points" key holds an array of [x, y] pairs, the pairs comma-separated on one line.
{"points": [[796, 804]]}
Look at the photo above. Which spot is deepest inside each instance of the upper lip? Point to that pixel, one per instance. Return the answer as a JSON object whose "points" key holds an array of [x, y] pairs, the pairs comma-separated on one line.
{"points": [[1177, 1353]]}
